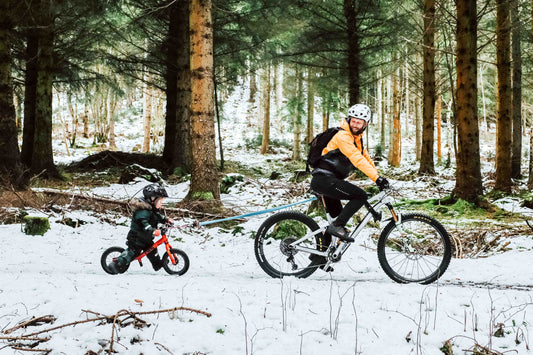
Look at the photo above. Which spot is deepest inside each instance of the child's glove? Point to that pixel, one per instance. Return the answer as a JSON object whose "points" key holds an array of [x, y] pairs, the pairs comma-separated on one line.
{"points": [[170, 221], [157, 233]]}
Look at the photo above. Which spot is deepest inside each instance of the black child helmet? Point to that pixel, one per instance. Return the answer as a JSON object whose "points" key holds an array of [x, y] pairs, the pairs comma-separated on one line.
{"points": [[154, 191]]}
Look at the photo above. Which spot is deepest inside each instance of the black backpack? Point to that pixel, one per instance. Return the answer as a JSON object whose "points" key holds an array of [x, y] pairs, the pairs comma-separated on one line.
{"points": [[318, 144]]}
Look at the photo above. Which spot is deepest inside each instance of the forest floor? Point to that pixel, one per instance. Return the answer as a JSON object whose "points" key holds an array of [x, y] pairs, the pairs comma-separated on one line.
{"points": [[483, 304]]}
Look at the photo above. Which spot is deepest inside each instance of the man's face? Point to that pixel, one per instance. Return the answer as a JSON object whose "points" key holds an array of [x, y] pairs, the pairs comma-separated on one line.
{"points": [[357, 124]]}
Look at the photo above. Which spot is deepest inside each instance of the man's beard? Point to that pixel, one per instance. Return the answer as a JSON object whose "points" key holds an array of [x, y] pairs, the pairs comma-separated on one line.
{"points": [[359, 131]]}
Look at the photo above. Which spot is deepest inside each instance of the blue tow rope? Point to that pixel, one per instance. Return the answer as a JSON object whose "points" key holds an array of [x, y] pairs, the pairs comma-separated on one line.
{"points": [[256, 213]]}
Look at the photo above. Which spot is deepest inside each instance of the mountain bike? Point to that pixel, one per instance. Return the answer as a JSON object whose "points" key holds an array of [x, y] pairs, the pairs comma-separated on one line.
{"points": [[175, 261], [413, 247]]}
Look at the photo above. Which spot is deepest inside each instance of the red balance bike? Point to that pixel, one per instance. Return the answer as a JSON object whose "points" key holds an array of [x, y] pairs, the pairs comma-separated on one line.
{"points": [[175, 261]]}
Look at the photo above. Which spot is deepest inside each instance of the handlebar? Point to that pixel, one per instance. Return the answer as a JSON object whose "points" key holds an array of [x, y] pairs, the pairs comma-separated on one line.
{"points": [[167, 226]]}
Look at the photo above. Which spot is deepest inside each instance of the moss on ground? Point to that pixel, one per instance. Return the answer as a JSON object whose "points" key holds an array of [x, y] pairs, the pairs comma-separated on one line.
{"points": [[448, 208]]}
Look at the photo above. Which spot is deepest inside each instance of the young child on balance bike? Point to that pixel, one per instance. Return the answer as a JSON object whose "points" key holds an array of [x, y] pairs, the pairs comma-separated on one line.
{"points": [[146, 216]]}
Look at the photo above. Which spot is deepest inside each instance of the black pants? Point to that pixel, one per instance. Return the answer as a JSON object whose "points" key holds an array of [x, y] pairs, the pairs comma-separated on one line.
{"points": [[334, 190], [136, 247]]}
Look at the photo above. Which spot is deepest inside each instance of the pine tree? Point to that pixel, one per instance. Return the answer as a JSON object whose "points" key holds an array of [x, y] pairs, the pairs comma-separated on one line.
{"points": [[204, 173], [426, 157], [11, 173], [177, 150], [42, 158], [468, 173], [504, 115], [517, 90], [266, 110]]}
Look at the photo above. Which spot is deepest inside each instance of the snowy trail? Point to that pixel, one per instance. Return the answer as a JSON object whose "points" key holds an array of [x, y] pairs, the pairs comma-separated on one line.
{"points": [[60, 274]]}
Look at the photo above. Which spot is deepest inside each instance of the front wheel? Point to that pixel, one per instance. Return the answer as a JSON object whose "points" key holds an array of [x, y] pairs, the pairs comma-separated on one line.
{"points": [[182, 262], [273, 249], [110, 255], [418, 251]]}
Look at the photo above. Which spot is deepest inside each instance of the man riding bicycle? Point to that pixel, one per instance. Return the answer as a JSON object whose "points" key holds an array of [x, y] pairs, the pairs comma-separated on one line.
{"points": [[345, 152]]}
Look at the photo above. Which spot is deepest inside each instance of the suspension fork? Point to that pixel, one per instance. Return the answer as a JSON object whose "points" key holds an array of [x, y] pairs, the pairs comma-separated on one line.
{"points": [[397, 218]]}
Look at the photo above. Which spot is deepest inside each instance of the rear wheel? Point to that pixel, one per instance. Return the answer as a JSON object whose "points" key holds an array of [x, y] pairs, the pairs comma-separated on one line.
{"points": [[110, 255], [418, 252], [272, 245], [181, 259]]}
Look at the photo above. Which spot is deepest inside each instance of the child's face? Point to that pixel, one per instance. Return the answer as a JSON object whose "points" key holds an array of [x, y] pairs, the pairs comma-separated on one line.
{"points": [[159, 202]]}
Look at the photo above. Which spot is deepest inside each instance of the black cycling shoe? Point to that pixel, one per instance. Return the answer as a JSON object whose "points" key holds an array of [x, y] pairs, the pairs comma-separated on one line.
{"points": [[321, 261], [318, 259], [340, 232]]}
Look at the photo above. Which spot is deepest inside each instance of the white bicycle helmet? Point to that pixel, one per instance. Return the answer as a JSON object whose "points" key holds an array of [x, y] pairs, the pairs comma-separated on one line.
{"points": [[359, 111]]}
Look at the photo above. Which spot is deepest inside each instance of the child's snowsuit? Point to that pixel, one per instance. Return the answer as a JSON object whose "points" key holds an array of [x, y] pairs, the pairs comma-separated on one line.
{"points": [[141, 235]]}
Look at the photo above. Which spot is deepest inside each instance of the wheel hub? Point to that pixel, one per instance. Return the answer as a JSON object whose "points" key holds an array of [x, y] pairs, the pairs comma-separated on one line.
{"points": [[286, 248]]}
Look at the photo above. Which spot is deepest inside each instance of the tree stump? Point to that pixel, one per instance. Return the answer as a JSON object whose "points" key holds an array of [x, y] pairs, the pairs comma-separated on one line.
{"points": [[36, 225]]}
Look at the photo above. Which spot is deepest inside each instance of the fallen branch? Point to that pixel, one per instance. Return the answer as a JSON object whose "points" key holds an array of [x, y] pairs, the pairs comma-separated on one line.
{"points": [[173, 310], [33, 321], [126, 204], [46, 351], [67, 325], [100, 317], [22, 337]]}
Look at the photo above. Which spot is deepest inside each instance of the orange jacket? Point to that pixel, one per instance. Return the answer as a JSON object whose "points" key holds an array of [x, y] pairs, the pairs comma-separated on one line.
{"points": [[344, 141]]}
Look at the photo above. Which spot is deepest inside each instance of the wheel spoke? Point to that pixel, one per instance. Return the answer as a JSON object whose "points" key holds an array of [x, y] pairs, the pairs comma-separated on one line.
{"points": [[273, 248], [420, 254]]}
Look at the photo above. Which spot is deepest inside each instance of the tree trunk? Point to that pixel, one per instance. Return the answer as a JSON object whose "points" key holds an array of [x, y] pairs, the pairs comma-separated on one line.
{"points": [[111, 108], [85, 119], [74, 116], [354, 51], [30, 94], [42, 160], [468, 174], [418, 129], [530, 179], [396, 135], [504, 117], [310, 105], [381, 110], [297, 119], [253, 87], [204, 173], [266, 109], [517, 92], [147, 114], [426, 158], [18, 111], [278, 85], [407, 98], [10, 166], [483, 99], [439, 126], [177, 150]]}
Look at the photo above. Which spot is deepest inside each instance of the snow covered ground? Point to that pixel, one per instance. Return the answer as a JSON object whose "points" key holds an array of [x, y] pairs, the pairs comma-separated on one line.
{"points": [[356, 309]]}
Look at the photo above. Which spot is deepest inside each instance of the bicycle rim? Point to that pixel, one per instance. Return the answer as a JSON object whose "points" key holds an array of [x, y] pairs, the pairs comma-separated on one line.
{"points": [[181, 259], [418, 252], [272, 245]]}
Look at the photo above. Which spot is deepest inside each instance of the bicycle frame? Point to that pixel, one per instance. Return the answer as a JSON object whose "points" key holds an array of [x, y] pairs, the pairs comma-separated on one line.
{"points": [[376, 203], [162, 240]]}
